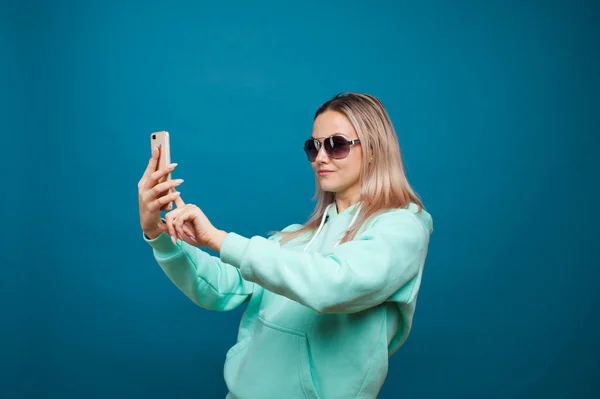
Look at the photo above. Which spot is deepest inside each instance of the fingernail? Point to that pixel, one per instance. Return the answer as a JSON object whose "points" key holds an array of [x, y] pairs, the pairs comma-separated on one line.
{"points": [[178, 181], [176, 193], [191, 238], [172, 165], [174, 240]]}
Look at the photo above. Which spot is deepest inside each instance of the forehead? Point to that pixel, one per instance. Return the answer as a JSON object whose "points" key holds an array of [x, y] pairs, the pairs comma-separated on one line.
{"points": [[332, 122]]}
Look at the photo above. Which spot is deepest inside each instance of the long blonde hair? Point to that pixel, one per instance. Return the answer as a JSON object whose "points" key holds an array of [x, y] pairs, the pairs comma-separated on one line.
{"points": [[382, 178]]}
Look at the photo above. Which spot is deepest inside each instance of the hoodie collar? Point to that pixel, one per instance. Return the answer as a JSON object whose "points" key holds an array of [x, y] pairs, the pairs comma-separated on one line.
{"points": [[332, 212]]}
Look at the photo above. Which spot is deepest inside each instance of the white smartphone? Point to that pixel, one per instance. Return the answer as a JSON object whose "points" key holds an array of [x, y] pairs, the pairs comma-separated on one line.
{"points": [[161, 140]]}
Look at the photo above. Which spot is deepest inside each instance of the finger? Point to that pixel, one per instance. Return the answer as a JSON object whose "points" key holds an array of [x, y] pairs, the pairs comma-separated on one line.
{"points": [[166, 228], [163, 226], [171, 218], [160, 202], [177, 226], [180, 221], [163, 187], [157, 175], [189, 233], [152, 163], [179, 202], [189, 240], [188, 230]]}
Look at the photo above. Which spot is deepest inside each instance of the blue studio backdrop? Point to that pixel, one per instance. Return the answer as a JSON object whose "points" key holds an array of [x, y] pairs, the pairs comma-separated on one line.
{"points": [[495, 105]]}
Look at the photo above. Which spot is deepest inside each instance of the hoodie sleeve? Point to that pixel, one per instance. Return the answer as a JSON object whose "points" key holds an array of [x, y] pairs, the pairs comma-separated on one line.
{"points": [[203, 278], [354, 276]]}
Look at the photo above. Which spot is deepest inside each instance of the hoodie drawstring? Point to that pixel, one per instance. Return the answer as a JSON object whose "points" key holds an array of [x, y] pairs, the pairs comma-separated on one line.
{"points": [[323, 223]]}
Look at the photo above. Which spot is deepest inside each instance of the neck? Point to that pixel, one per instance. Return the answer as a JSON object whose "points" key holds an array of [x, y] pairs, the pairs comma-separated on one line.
{"points": [[346, 199]]}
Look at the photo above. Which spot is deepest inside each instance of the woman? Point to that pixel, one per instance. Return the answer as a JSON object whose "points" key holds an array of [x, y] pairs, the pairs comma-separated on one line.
{"points": [[327, 302]]}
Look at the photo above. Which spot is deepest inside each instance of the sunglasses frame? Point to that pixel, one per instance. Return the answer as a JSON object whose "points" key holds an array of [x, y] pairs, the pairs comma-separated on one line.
{"points": [[318, 146]]}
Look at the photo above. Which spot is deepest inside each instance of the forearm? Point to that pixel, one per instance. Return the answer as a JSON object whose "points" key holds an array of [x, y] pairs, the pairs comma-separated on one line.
{"points": [[203, 278], [350, 278], [324, 283]]}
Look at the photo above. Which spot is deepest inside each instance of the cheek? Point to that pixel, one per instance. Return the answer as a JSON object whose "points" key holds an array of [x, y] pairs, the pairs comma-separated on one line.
{"points": [[356, 171], [350, 169], [355, 164]]}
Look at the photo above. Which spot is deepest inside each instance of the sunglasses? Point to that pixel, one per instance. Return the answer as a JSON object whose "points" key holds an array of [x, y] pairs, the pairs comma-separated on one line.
{"points": [[336, 147]]}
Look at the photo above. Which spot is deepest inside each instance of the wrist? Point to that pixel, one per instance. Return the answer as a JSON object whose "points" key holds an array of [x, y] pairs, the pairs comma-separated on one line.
{"points": [[216, 240], [152, 234]]}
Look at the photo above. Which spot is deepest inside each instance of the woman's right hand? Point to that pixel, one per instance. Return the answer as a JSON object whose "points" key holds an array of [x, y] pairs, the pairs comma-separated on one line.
{"points": [[149, 191]]}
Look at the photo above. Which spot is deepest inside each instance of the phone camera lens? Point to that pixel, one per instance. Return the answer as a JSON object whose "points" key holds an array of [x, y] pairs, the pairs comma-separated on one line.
{"points": [[154, 136]]}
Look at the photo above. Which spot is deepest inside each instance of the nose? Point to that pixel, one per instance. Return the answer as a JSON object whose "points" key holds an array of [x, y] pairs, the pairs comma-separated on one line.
{"points": [[322, 155]]}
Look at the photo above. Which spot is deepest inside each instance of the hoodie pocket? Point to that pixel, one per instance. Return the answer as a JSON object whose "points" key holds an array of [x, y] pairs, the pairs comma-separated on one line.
{"points": [[274, 363]]}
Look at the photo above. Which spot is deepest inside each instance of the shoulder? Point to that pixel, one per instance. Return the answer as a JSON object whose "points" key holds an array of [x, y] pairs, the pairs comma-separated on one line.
{"points": [[405, 222], [292, 228]]}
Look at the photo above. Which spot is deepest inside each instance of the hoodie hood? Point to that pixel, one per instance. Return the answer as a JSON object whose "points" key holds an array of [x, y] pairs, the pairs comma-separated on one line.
{"points": [[354, 210]]}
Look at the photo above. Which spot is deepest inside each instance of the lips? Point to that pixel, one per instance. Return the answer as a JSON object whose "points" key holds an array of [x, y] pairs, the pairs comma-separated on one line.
{"points": [[324, 172]]}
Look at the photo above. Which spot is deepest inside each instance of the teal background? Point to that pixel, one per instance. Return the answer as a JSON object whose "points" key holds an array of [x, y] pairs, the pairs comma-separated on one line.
{"points": [[496, 106]]}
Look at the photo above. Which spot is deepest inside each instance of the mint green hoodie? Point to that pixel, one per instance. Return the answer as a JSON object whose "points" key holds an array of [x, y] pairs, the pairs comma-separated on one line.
{"points": [[321, 319]]}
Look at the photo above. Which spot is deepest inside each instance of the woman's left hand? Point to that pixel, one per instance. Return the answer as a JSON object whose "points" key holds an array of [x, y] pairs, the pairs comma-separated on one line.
{"points": [[184, 216]]}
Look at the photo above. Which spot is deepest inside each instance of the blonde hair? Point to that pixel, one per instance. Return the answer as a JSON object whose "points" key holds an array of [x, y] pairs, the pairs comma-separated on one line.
{"points": [[383, 181]]}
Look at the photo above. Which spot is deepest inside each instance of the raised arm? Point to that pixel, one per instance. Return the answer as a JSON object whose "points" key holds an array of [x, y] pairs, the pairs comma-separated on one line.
{"points": [[352, 277], [205, 279]]}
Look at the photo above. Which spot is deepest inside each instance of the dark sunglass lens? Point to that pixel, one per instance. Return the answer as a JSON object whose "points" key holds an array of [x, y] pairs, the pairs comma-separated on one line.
{"points": [[311, 150], [337, 147]]}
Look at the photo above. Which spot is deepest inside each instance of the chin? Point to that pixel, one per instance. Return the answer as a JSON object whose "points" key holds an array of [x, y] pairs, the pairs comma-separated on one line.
{"points": [[330, 188]]}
